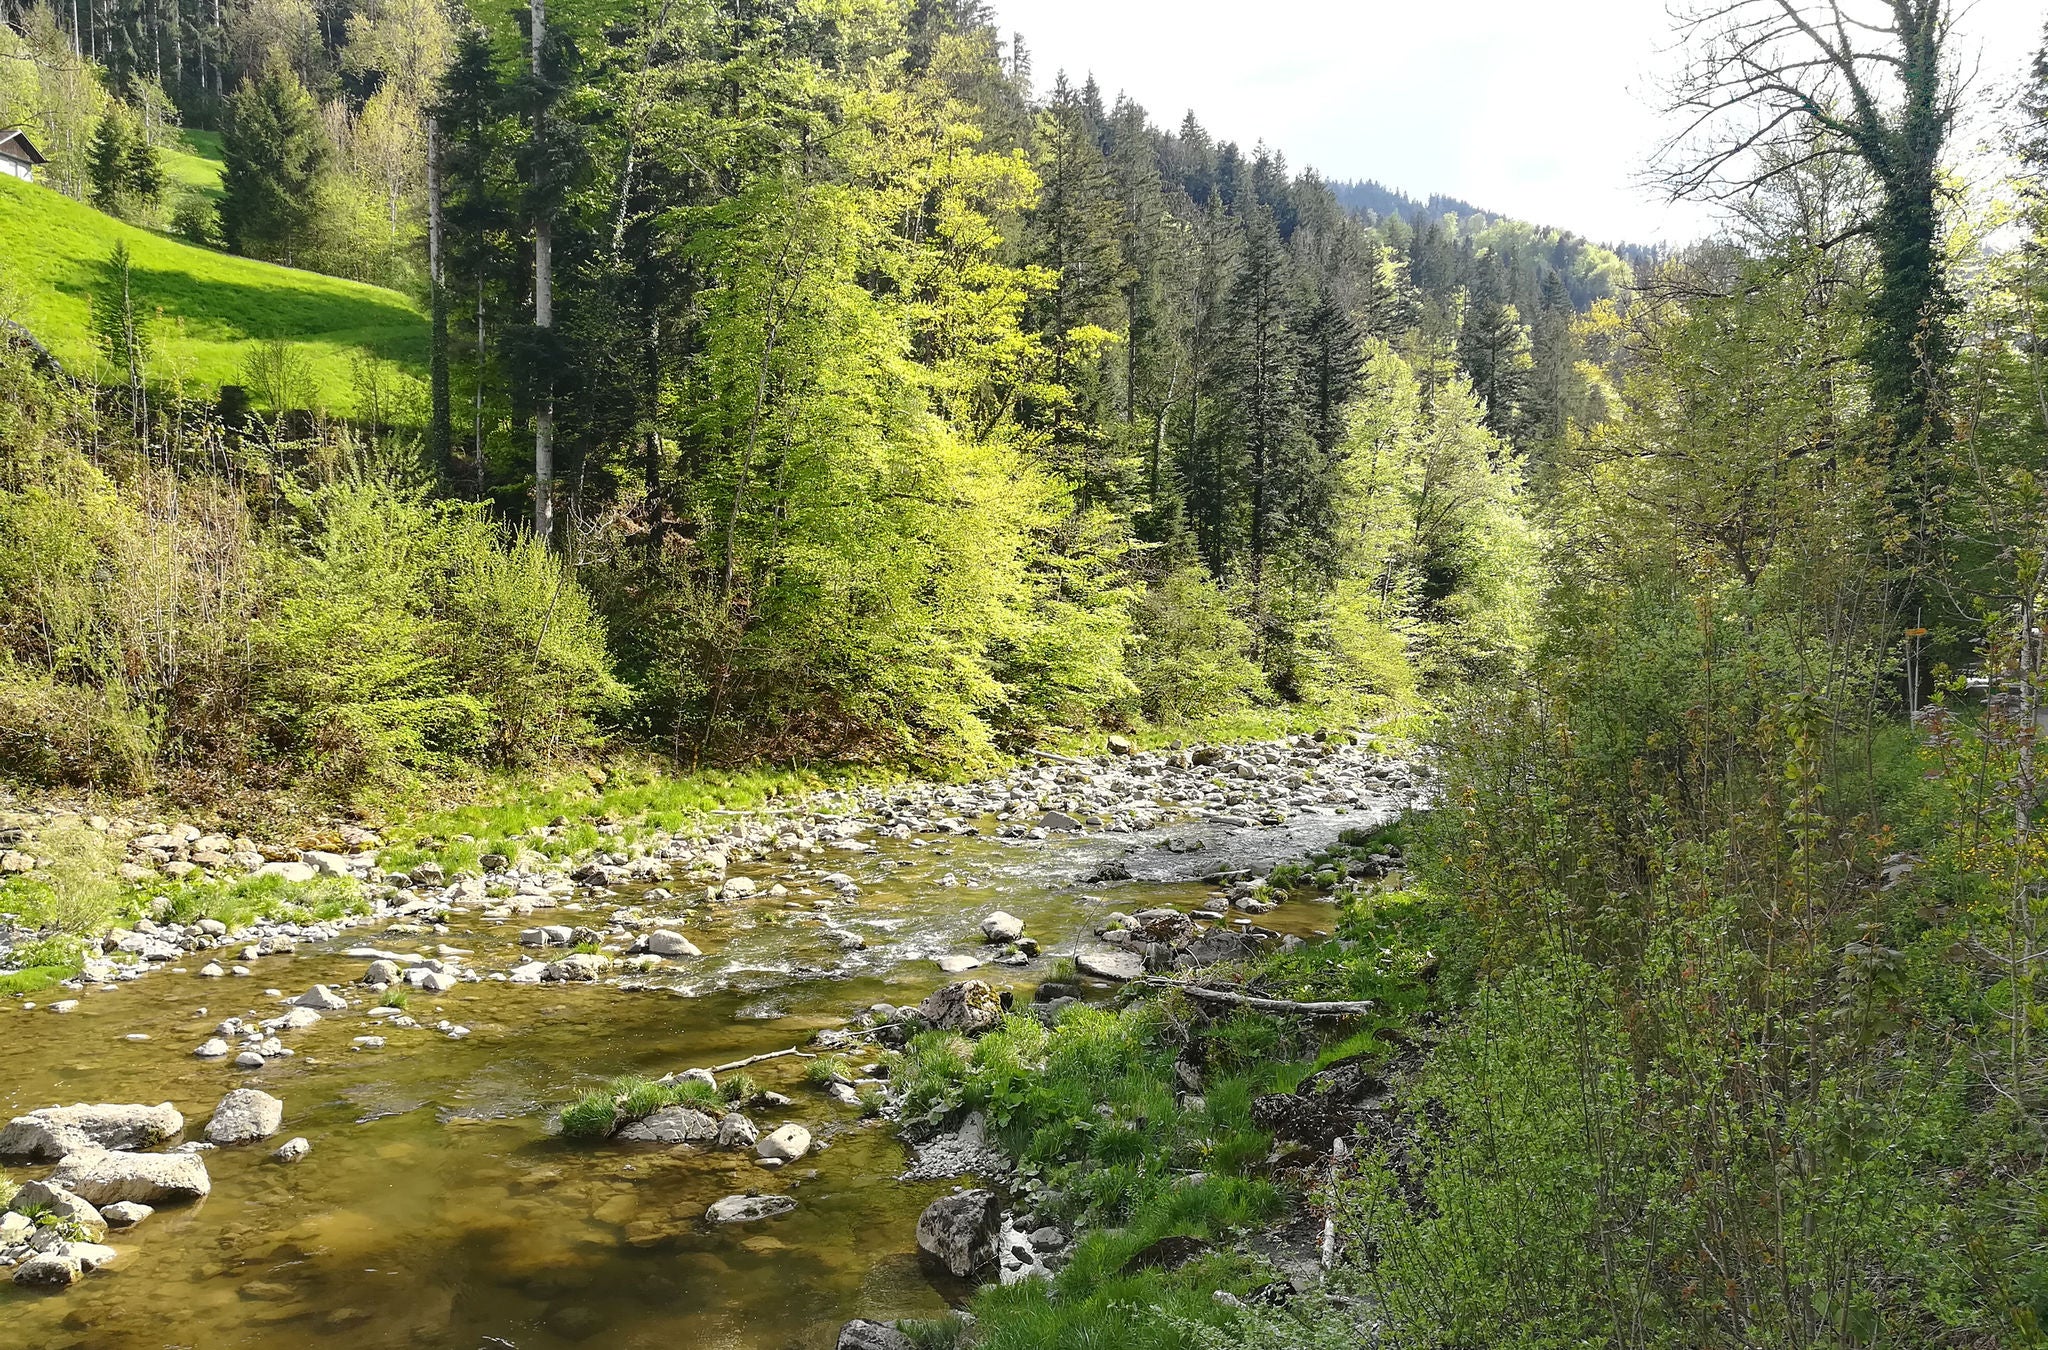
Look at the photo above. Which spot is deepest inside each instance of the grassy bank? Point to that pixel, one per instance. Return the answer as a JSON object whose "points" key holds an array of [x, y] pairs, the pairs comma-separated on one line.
{"points": [[1134, 1122]]}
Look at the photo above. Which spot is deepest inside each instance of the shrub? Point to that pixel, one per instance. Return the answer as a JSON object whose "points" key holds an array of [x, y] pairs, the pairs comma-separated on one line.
{"points": [[52, 732], [1190, 658], [74, 892]]}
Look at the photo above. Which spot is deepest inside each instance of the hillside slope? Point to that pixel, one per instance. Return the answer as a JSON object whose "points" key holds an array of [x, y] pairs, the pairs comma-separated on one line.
{"points": [[211, 310]]}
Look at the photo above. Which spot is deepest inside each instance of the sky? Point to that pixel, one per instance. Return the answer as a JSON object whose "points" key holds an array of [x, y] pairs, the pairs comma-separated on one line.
{"points": [[1540, 109]]}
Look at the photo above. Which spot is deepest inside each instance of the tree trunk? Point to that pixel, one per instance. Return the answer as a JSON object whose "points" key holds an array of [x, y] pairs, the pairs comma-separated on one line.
{"points": [[543, 317], [438, 436]]}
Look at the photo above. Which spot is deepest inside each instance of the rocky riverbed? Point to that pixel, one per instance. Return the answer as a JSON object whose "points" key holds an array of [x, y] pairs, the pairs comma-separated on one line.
{"points": [[417, 1052]]}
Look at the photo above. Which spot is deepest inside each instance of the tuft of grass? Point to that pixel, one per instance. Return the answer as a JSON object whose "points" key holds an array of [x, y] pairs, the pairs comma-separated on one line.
{"points": [[35, 979], [826, 1070], [594, 1115], [601, 1112], [395, 997], [739, 1088]]}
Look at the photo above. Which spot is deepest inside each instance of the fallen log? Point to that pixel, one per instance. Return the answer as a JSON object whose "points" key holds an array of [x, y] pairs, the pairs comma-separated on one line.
{"points": [[1290, 1006]]}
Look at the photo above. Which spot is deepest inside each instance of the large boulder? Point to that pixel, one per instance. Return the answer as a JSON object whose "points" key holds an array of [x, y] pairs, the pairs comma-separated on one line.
{"points": [[672, 1125], [102, 1176], [959, 1231], [49, 1271], [1108, 963], [42, 1197], [861, 1334], [1002, 927], [665, 942], [786, 1144], [244, 1116], [55, 1131], [322, 999], [969, 1007], [748, 1208]]}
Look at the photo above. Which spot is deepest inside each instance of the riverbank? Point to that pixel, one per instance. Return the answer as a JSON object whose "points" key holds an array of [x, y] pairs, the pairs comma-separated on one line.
{"points": [[1159, 1163], [500, 998]]}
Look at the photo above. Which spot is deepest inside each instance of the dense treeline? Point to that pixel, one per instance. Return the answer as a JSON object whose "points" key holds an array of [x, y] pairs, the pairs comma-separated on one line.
{"points": [[877, 403]]}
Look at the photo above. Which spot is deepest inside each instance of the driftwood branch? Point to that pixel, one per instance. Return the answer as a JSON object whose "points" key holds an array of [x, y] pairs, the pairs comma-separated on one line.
{"points": [[761, 1059], [1204, 994]]}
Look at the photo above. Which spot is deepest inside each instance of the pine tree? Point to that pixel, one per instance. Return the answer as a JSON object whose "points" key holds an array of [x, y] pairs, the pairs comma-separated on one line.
{"points": [[107, 162], [1264, 378], [1553, 361], [277, 156], [1076, 229], [477, 205], [1494, 351]]}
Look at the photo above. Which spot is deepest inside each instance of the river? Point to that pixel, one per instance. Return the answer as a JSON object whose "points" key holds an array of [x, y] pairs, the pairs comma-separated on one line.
{"points": [[436, 1208]]}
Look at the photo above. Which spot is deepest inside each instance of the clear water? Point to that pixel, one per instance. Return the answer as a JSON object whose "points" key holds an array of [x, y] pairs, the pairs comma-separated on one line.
{"points": [[436, 1209]]}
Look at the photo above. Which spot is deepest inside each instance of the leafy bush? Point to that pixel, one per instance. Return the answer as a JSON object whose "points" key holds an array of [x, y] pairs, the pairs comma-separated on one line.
{"points": [[74, 892], [1190, 659]]}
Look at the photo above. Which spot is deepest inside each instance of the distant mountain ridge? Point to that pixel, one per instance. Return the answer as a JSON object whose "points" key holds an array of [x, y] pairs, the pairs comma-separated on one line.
{"points": [[1377, 199]]}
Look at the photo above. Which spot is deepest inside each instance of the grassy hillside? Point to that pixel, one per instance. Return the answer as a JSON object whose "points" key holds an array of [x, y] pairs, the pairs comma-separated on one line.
{"points": [[213, 309], [197, 164]]}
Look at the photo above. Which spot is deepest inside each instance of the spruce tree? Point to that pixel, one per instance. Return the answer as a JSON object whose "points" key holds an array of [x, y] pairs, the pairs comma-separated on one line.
{"points": [[107, 161], [1494, 351], [277, 156]]}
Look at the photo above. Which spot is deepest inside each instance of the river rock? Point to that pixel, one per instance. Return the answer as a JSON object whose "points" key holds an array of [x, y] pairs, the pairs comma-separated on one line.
{"points": [[786, 1144], [1108, 963], [322, 999], [737, 1131], [49, 1271], [54, 1131], [861, 1334], [89, 1255], [736, 888], [244, 1116], [664, 942], [672, 1125], [103, 1176], [580, 968], [1058, 820], [212, 1048], [125, 1214], [969, 1007], [958, 965], [291, 1150], [1002, 927], [959, 1231], [748, 1208], [381, 972], [290, 871], [42, 1195], [249, 1059]]}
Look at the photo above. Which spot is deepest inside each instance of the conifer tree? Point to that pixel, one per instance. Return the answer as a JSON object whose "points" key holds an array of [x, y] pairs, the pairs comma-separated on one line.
{"points": [[277, 157], [1494, 351]]}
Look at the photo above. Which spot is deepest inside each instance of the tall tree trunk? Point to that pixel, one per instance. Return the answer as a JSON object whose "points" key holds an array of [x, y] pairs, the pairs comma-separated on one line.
{"points": [[438, 436], [543, 314]]}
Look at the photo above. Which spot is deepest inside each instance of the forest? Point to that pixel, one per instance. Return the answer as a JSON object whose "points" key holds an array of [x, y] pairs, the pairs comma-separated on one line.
{"points": [[873, 405], [813, 382]]}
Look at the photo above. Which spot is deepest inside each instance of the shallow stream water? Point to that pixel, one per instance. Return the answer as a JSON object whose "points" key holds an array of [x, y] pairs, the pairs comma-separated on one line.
{"points": [[436, 1209]]}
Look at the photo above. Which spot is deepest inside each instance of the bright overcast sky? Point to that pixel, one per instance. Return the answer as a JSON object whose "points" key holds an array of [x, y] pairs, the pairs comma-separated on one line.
{"points": [[1542, 109]]}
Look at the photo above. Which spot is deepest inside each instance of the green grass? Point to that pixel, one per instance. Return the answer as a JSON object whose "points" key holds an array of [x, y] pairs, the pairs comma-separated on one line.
{"points": [[394, 997], [1089, 1109], [639, 802], [241, 900], [213, 309], [197, 164], [599, 1113], [35, 979]]}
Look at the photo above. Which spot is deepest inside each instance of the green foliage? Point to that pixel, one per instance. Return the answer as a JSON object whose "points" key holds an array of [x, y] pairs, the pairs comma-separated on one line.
{"points": [[1190, 656], [126, 171], [394, 997], [601, 1112], [276, 156], [73, 893], [409, 635]]}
